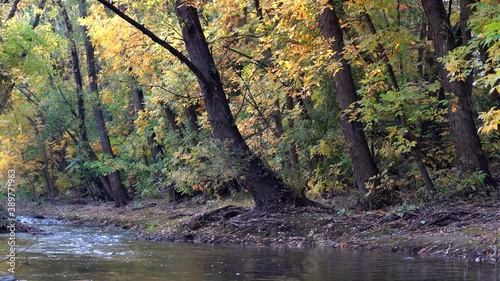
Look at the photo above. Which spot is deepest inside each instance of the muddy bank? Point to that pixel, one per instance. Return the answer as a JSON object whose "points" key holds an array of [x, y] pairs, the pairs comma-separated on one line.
{"points": [[469, 231]]}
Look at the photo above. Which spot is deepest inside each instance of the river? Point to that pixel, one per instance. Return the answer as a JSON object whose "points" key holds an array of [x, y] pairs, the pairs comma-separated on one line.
{"points": [[94, 253]]}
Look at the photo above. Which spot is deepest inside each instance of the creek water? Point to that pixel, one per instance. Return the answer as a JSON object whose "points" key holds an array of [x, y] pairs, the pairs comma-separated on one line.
{"points": [[94, 253]]}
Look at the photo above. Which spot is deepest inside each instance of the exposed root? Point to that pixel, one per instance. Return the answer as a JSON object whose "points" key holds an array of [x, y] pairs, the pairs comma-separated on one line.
{"points": [[215, 216]]}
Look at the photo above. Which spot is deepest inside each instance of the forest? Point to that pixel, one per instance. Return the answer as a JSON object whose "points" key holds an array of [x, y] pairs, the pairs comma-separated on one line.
{"points": [[382, 101]]}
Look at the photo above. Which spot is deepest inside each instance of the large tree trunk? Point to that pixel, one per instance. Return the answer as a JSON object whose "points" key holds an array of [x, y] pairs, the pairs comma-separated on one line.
{"points": [[470, 156], [118, 192], [364, 168], [267, 189]]}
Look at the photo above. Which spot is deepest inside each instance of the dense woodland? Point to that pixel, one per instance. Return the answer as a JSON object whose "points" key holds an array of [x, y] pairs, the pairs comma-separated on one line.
{"points": [[382, 100]]}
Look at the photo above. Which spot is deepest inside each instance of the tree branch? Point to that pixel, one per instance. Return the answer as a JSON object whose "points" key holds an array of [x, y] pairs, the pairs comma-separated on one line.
{"points": [[157, 40]]}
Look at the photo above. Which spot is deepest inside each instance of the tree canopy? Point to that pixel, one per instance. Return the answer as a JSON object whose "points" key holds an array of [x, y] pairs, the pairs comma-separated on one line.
{"points": [[288, 100]]}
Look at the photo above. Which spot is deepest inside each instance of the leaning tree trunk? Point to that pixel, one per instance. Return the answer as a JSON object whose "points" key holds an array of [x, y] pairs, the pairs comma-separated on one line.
{"points": [[470, 156], [119, 193], [364, 168], [267, 189]]}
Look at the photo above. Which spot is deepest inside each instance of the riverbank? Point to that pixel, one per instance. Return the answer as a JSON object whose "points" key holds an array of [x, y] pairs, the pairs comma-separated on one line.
{"points": [[469, 231]]}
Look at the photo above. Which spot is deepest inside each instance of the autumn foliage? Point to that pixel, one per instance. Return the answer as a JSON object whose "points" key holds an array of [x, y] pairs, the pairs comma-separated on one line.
{"points": [[278, 69]]}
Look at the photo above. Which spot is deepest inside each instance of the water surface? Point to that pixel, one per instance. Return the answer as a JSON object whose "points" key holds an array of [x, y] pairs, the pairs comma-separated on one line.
{"points": [[93, 253]]}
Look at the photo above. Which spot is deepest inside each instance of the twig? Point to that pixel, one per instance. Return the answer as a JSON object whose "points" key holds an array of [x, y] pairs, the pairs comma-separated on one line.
{"points": [[22, 250]]}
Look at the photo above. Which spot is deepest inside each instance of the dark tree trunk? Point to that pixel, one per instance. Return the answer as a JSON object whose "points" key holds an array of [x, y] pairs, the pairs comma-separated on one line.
{"points": [[290, 162], [13, 9], [41, 6], [118, 192], [46, 174], [277, 116], [192, 118], [171, 119], [470, 156], [155, 148], [292, 149], [364, 168], [267, 189], [83, 140]]}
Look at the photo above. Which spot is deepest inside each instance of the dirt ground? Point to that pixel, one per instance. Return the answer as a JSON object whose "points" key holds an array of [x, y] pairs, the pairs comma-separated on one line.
{"points": [[469, 231]]}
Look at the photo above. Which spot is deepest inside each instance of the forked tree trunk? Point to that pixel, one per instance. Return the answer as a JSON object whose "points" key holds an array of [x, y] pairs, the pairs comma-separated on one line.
{"points": [[120, 195], [83, 139], [364, 168], [267, 189], [118, 192], [470, 156]]}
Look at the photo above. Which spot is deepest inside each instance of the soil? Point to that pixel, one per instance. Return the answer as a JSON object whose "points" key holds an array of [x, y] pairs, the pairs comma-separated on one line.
{"points": [[467, 230]]}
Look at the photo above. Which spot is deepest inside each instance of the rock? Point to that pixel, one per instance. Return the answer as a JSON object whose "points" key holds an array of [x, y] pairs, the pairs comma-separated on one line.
{"points": [[8, 278], [409, 258]]}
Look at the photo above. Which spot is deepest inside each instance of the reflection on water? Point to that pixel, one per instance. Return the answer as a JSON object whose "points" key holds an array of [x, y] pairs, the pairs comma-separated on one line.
{"points": [[77, 253]]}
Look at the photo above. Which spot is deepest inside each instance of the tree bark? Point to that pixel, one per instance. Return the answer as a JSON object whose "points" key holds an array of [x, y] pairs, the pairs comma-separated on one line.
{"points": [[470, 156], [364, 168], [118, 192], [41, 5], [13, 9]]}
